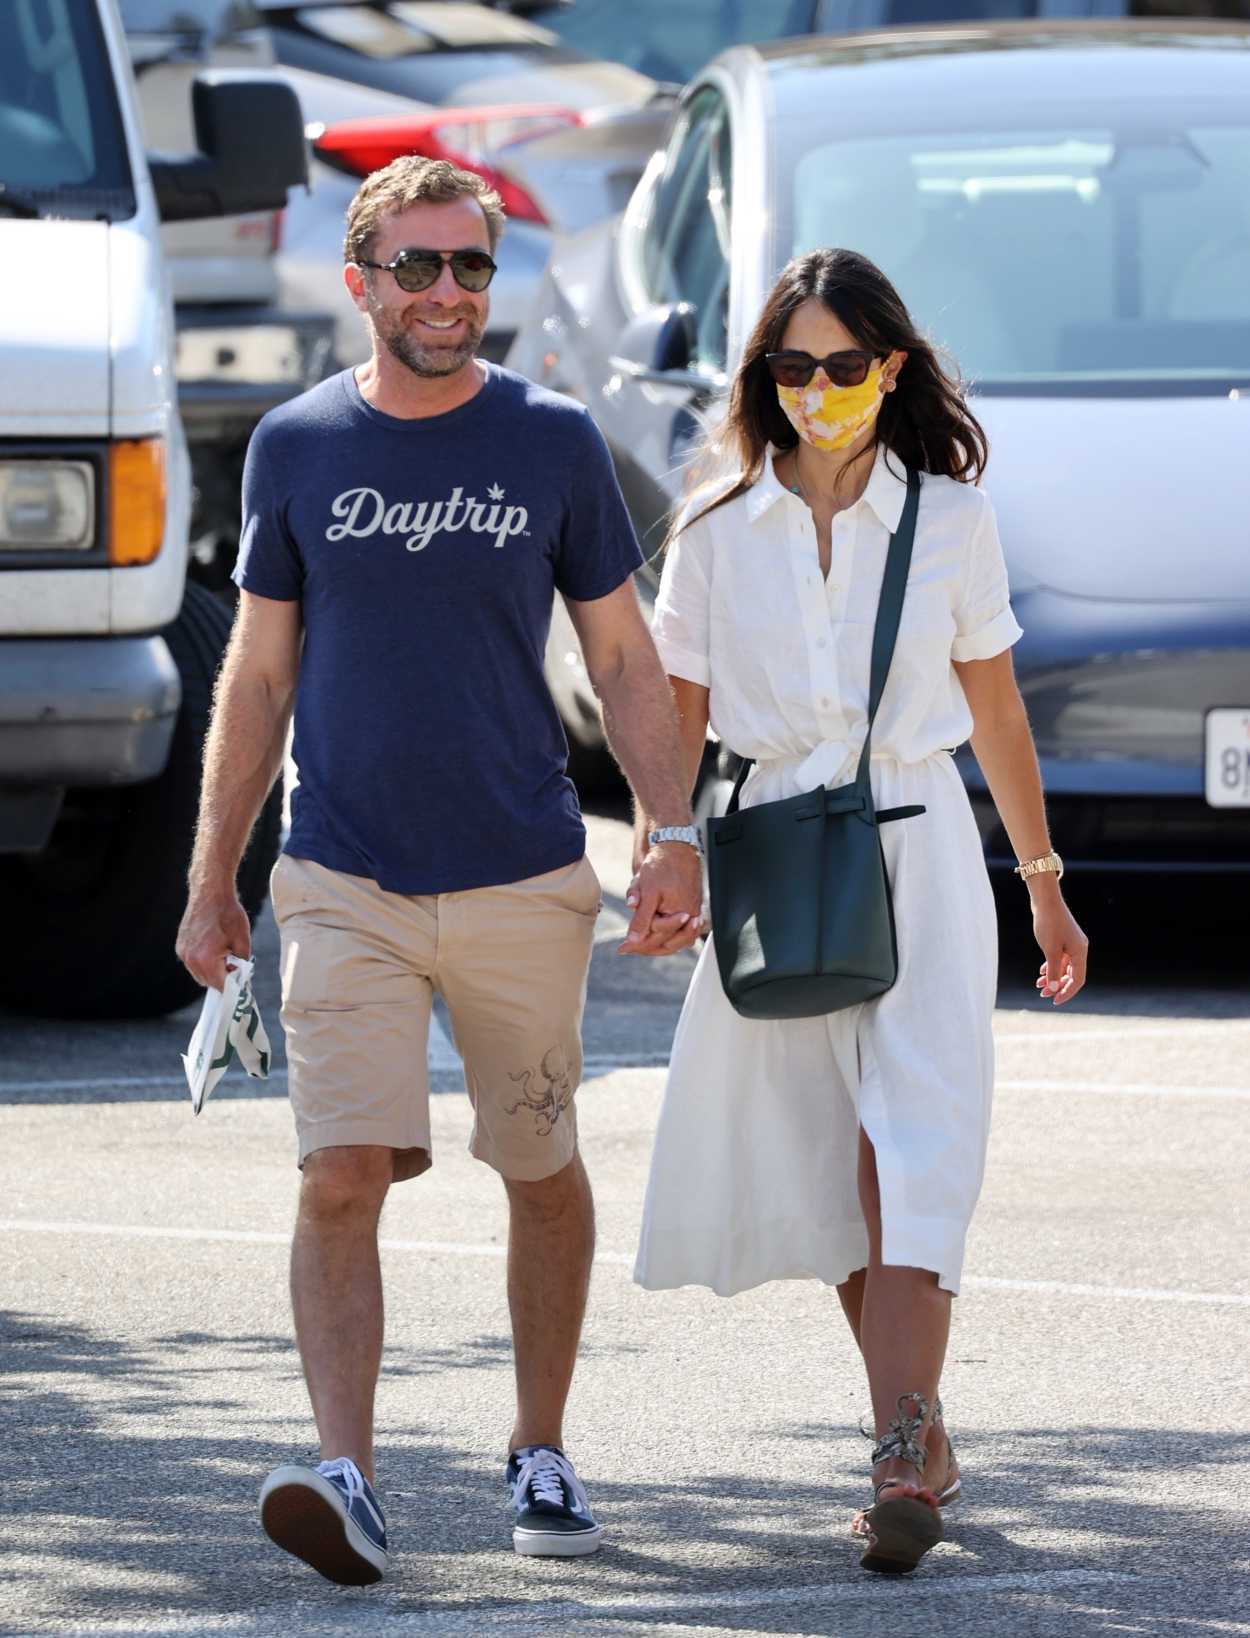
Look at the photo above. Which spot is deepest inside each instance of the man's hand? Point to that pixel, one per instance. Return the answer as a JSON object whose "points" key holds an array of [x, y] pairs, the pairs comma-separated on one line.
{"points": [[666, 896], [214, 926]]}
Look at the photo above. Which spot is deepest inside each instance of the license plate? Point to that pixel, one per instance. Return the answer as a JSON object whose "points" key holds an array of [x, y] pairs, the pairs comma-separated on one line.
{"points": [[1228, 757], [254, 354]]}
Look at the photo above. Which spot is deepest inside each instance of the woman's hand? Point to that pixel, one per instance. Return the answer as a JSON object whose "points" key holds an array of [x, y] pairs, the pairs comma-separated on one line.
{"points": [[1063, 944]]}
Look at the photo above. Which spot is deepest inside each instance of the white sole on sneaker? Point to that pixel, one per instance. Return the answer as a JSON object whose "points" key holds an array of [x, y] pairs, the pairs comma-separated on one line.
{"points": [[303, 1513], [556, 1543]]}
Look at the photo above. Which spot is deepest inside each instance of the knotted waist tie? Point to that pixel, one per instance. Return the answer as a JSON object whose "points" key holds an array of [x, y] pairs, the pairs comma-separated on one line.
{"points": [[830, 764]]}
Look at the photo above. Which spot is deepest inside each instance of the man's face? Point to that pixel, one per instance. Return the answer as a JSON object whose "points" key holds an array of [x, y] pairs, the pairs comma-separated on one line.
{"points": [[437, 331]]}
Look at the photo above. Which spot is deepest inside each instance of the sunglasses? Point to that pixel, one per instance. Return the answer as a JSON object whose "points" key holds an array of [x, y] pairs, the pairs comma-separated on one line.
{"points": [[418, 269], [793, 368]]}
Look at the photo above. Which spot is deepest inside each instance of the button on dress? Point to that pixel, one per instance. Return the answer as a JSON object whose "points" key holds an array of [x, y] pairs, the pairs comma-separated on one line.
{"points": [[753, 1175]]}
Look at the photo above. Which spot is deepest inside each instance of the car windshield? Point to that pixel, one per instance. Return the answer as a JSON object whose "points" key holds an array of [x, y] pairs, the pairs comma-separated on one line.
{"points": [[667, 41], [62, 146], [1109, 253]]}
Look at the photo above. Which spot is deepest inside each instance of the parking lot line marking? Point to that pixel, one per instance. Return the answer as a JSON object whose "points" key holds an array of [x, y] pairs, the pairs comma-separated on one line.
{"points": [[615, 1259], [445, 1060], [1140, 1089], [1069, 1032]]}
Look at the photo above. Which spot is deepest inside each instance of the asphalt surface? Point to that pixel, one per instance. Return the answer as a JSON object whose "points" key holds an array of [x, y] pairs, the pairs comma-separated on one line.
{"points": [[1095, 1387]]}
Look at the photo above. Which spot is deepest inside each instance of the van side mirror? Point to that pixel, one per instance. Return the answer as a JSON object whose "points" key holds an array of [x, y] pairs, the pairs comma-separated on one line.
{"points": [[658, 347], [249, 130]]}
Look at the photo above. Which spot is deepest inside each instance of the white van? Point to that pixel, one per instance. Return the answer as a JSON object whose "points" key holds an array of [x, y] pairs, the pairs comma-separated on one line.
{"points": [[107, 655]]}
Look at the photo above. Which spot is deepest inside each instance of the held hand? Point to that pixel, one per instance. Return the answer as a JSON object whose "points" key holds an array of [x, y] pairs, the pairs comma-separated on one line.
{"points": [[666, 896], [1065, 947], [214, 925]]}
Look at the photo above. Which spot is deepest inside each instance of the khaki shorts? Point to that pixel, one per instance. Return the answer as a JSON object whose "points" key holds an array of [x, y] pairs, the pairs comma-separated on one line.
{"points": [[359, 970]]}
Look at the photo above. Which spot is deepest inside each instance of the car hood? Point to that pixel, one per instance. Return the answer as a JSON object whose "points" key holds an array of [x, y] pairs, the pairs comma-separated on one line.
{"points": [[54, 329], [1140, 498]]}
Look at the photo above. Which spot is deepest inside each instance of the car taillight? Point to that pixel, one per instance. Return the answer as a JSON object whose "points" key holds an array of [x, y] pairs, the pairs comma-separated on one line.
{"points": [[469, 137]]}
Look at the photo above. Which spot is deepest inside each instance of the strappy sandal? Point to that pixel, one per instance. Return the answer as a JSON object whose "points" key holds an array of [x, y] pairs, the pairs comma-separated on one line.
{"points": [[899, 1532], [953, 1493]]}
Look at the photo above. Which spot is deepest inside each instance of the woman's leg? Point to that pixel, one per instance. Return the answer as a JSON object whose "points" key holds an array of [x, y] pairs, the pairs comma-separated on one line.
{"points": [[904, 1322], [851, 1296], [941, 1467]]}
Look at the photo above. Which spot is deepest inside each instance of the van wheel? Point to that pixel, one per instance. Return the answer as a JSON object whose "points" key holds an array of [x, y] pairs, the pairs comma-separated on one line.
{"points": [[90, 922]]}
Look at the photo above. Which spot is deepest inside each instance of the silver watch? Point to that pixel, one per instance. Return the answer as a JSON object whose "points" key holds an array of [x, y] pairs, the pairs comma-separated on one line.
{"points": [[690, 834]]}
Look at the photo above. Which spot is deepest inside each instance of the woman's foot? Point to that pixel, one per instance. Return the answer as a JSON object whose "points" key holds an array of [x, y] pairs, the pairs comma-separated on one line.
{"points": [[895, 1477], [941, 1468], [905, 1519]]}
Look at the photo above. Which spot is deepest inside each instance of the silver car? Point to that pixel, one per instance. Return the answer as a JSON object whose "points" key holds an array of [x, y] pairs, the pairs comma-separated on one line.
{"points": [[1068, 211]]}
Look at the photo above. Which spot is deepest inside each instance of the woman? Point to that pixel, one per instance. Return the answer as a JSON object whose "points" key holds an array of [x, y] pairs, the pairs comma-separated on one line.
{"points": [[851, 1147]]}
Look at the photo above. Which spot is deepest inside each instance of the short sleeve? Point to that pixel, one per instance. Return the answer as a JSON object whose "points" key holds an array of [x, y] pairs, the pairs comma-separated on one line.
{"points": [[269, 562], [680, 627], [984, 623], [598, 550]]}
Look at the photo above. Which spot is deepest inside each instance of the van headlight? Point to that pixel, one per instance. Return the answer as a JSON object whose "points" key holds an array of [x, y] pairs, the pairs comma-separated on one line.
{"points": [[47, 505]]}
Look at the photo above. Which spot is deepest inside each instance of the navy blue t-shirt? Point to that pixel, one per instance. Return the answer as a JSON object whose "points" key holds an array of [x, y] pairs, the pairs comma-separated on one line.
{"points": [[426, 554]]}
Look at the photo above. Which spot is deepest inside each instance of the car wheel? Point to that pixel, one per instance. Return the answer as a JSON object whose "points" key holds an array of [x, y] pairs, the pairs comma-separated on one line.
{"points": [[90, 922]]}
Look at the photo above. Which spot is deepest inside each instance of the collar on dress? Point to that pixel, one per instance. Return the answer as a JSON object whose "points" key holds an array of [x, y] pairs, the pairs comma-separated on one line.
{"points": [[885, 491]]}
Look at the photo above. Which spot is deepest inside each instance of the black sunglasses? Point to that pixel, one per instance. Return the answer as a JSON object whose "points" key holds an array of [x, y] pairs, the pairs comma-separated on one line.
{"points": [[418, 269], [793, 368]]}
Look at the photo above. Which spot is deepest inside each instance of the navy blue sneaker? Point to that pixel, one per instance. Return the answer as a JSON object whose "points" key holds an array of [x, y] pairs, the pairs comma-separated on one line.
{"points": [[553, 1517], [329, 1517]]}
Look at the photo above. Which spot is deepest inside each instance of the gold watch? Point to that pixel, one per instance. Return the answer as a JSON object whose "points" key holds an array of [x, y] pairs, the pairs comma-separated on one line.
{"points": [[1038, 867]]}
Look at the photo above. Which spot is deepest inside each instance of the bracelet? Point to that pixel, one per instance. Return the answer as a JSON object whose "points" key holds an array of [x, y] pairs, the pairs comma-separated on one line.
{"points": [[1040, 866]]}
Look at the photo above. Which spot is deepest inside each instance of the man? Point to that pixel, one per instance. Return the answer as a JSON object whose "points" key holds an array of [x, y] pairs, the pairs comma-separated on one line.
{"points": [[406, 523]]}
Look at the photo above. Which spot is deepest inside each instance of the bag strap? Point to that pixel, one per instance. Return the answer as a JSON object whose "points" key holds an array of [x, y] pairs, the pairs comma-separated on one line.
{"points": [[884, 634], [889, 612]]}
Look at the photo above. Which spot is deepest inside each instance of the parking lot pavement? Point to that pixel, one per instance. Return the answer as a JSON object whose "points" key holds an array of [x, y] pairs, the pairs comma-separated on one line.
{"points": [[1094, 1387]]}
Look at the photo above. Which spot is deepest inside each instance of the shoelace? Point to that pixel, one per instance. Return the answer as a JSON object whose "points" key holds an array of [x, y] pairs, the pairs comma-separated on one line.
{"points": [[550, 1476], [344, 1468]]}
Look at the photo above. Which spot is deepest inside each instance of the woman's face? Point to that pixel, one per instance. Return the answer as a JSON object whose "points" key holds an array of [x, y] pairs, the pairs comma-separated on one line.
{"points": [[825, 415]]}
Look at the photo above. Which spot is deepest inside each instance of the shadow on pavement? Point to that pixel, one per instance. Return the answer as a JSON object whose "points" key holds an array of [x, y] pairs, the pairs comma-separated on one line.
{"points": [[137, 1470]]}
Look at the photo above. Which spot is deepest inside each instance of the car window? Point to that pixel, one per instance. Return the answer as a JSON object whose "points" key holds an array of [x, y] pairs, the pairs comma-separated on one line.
{"points": [[61, 137], [1109, 252], [671, 41], [685, 247]]}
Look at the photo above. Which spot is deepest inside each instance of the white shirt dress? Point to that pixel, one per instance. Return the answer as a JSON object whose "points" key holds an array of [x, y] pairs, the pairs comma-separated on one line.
{"points": [[753, 1176]]}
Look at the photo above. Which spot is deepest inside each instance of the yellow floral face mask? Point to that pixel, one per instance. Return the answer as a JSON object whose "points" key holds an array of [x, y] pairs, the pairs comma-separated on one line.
{"points": [[829, 417]]}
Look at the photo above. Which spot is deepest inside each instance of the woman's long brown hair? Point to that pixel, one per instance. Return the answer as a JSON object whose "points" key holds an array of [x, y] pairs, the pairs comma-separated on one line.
{"points": [[924, 422]]}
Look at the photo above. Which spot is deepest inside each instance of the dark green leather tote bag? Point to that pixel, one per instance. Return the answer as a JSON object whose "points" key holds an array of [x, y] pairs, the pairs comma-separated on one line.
{"points": [[802, 919]]}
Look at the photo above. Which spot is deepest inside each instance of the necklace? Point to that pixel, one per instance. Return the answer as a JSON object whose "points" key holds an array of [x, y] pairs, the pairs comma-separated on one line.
{"points": [[796, 488]]}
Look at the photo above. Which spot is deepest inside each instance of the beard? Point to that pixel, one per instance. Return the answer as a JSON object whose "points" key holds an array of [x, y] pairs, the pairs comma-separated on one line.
{"points": [[420, 353]]}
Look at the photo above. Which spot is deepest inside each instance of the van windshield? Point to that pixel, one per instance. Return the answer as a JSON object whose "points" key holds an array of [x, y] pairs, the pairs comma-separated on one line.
{"points": [[62, 144], [1073, 257]]}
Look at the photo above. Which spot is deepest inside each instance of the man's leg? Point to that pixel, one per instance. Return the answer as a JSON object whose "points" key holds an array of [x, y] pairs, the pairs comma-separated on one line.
{"points": [[551, 1244], [336, 1293]]}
